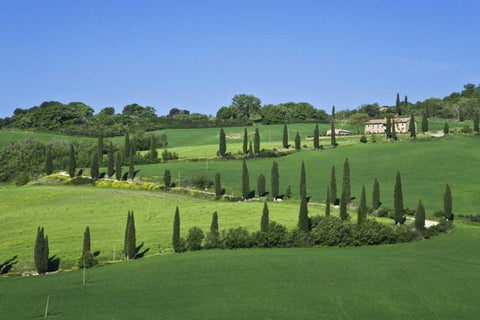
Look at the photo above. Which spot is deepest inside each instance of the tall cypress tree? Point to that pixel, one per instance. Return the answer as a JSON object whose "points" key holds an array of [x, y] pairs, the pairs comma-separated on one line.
{"points": [[40, 253], [333, 186], [222, 145], [118, 166], [48, 162], [167, 178], [214, 224], [303, 182], [420, 217], [131, 168], [362, 208], [424, 122], [245, 141], [275, 179], [86, 241], [411, 127], [376, 195], [261, 185], [130, 237], [285, 136], [213, 237], [394, 130], [265, 219], [397, 105], [100, 148], [405, 104], [298, 142], [303, 215], [343, 206], [316, 138], [153, 150], [333, 139], [398, 199], [126, 146], [218, 185], [346, 180], [256, 142], [245, 181], [71, 162], [446, 129], [94, 166], [250, 149], [111, 161], [476, 119], [388, 127], [447, 203], [327, 203], [176, 241]]}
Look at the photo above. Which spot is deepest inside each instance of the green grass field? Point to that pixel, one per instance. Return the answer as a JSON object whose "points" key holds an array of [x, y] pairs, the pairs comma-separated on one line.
{"points": [[432, 279]]}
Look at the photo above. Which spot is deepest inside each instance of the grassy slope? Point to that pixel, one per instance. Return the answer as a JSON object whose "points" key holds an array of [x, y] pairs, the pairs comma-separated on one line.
{"points": [[433, 279]]}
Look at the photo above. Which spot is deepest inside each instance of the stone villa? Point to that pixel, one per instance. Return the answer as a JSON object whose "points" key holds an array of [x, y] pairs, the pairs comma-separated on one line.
{"points": [[379, 125]]}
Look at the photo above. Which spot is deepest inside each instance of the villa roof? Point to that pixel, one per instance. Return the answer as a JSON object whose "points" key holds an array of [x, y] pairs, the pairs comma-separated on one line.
{"points": [[384, 121]]}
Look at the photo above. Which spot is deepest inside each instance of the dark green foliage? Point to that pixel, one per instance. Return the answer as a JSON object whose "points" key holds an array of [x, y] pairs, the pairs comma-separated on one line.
{"points": [[424, 122], [222, 148], [363, 139], [411, 127], [236, 238], [405, 104], [333, 186], [213, 237], [261, 185], [303, 182], [300, 239], [275, 179], [446, 129], [245, 141], [332, 231], [442, 227], [200, 181], [94, 170], [333, 139], [376, 195], [447, 203], [41, 252], [195, 238], [394, 130], [388, 127], [398, 199], [218, 185], [127, 147], [23, 159], [362, 208], [100, 148], [71, 162], [303, 215], [48, 162], [118, 166], [256, 142], [177, 242], [111, 161], [169, 155], [130, 246], [346, 180], [87, 260], [265, 218], [167, 178], [298, 142], [245, 181], [131, 168], [316, 138], [343, 206], [397, 105], [86, 240], [288, 192], [327, 202], [153, 151], [420, 217], [285, 136], [476, 120], [273, 236]]}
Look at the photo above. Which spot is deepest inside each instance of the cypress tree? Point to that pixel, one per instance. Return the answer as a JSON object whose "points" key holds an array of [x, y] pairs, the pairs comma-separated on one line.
{"points": [[327, 203], [71, 162], [376, 195], [250, 149], [275, 178], [388, 127], [476, 119], [48, 162], [218, 185], [346, 180], [261, 185], [111, 161], [333, 186], [222, 148], [245, 181], [288, 192], [46, 253], [256, 142], [424, 122], [126, 146], [298, 142], [394, 130], [153, 151], [411, 126], [176, 241], [447, 203], [446, 129], [420, 217], [100, 148], [118, 166], [405, 104], [265, 219], [213, 237], [285, 136], [398, 199], [94, 166], [245, 141], [333, 140], [130, 237], [397, 105], [40, 252], [343, 206], [131, 168], [362, 208], [86, 241], [125, 238], [303, 182], [316, 138], [214, 224], [167, 178], [303, 215]]}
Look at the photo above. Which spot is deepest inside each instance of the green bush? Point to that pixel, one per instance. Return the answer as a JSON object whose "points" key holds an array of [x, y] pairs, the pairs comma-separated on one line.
{"points": [[194, 239], [371, 232], [236, 238], [363, 139], [276, 235], [332, 231], [299, 238], [89, 259], [199, 181], [442, 227]]}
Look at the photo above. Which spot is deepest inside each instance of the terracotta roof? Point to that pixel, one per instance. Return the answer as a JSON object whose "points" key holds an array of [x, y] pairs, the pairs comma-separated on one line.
{"points": [[383, 121]]}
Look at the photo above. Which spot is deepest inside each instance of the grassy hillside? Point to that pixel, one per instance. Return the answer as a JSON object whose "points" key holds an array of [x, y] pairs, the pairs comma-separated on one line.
{"points": [[434, 279]]}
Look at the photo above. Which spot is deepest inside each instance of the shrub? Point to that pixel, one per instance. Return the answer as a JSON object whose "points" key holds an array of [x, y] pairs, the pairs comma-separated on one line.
{"points": [[195, 238], [89, 259], [372, 232], [466, 129], [363, 139], [409, 212], [332, 231], [200, 181], [236, 238], [299, 238], [275, 235], [442, 227], [167, 155]]}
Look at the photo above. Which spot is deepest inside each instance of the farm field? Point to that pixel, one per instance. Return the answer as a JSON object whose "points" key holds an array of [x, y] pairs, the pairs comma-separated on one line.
{"points": [[432, 279]]}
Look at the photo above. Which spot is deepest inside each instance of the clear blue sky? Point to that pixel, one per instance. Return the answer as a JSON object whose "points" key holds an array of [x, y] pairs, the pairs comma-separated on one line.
{"points": [[199, 54]]}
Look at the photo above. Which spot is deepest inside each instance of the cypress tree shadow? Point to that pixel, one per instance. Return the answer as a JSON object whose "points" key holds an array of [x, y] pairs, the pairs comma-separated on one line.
{"points": [[53, 263], [102, 175], [336, 202], [135, 173], [308, 199], [281, 196], [96, 254], [79, 173], [138, 254], [6, 266], [251, 194], [125, 176], [352, 198]]}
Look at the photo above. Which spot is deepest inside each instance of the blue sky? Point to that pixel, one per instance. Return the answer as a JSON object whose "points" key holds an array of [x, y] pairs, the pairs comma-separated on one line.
{"points": [[198, 54]]}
